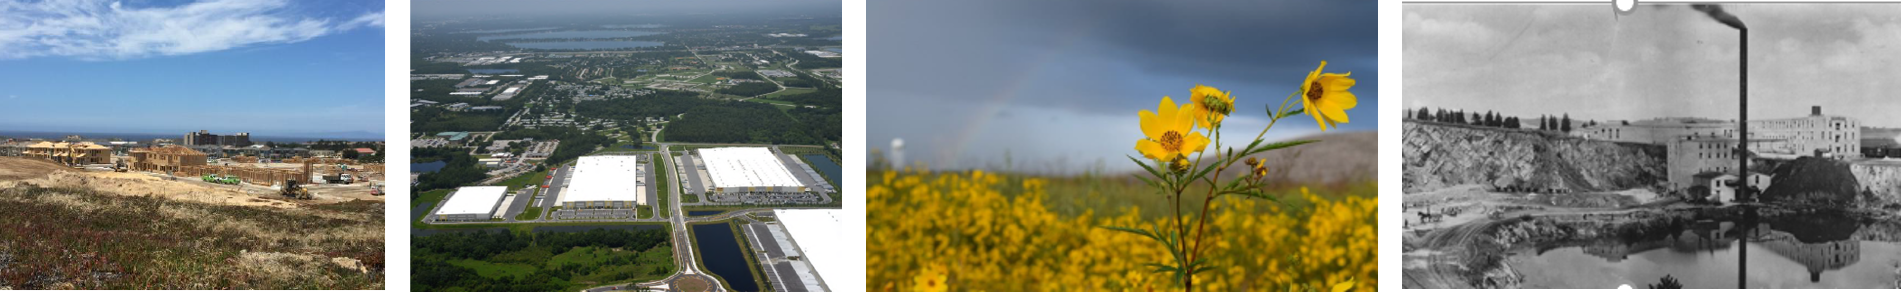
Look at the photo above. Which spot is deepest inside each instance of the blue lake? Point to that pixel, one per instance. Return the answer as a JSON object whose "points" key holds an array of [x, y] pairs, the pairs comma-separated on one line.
{"points": [[578, 34], [427, 167], [703, 213], [721, 254], [511, 30], [587, 45], [825, 166]]}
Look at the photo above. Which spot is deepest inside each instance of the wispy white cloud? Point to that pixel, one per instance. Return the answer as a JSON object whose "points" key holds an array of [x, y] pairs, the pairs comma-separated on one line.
{"points": [[101, 30], [372, 19]]}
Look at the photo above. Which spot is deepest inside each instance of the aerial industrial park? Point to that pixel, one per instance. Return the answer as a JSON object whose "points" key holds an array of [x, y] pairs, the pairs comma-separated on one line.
{"points": [[679, 154]]}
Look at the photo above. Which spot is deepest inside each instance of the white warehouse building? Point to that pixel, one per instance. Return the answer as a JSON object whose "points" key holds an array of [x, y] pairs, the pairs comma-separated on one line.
{"points": [[472, 203], [605, 182], [747, 170]]}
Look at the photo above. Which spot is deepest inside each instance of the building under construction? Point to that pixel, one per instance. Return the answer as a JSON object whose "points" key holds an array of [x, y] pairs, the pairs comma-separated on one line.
{"points": [[166, 159], [70, 153]]}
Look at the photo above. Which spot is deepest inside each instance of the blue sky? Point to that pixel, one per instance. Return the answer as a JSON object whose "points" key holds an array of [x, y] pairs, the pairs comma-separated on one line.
{"points": [[271, 68], [1056, 84]]}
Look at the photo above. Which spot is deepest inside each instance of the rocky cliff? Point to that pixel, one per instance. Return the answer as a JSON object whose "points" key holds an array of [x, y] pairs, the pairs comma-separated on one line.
{"points": [[1880, 180], [1441, 155]]}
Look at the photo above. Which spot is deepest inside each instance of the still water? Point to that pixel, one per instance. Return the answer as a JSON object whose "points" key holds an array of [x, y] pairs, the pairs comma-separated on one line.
{"points": [[721, 254], [578, 34], [825, 166], [587, 45], [1807, 251]]}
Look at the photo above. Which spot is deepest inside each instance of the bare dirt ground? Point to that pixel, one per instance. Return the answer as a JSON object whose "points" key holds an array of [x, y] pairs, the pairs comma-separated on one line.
{"points": [[15, 171]]}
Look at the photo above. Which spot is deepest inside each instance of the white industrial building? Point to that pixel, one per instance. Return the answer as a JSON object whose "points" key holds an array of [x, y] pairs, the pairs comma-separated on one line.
{"points": [[816, 234], [605, 182], [472, 203], [747, 170]]}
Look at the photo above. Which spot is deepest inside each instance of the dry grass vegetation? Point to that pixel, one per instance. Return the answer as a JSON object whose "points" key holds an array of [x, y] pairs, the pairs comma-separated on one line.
{"points": [[73, 237]]}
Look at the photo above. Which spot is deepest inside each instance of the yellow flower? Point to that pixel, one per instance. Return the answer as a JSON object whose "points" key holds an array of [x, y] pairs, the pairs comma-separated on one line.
{"points": [[1170, 131], [931, 279], [1326, 98], [1209, 105], [1343, 286]]}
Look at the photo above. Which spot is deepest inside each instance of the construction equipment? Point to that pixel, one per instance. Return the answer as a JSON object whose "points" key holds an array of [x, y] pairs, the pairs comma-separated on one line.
{"points": [[119, 167], [220, 179], [294, 190]]}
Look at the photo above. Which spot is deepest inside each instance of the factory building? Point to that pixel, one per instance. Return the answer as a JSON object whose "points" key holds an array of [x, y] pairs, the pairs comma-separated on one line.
{"points": [[605, 182], [746, 170], [1704, 145], [472, 203]]}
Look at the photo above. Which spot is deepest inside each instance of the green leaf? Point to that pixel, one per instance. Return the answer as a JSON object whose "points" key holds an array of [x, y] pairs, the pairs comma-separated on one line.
{"points": [[1152, 183], [1291, 113], [1133, 230], [1279, 145], [1204, 172], [1145, 166]]}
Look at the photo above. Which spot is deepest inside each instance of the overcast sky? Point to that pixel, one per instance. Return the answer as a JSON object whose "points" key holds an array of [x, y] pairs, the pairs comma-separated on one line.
{"points": [[1657, 61], [1057, 84]]}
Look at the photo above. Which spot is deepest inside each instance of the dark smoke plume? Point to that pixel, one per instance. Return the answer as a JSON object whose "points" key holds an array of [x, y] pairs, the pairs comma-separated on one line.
{"points": [[1716, 12]]}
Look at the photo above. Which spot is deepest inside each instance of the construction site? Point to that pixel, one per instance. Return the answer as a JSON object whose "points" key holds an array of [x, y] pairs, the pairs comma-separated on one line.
{"points": [[178, 171]]}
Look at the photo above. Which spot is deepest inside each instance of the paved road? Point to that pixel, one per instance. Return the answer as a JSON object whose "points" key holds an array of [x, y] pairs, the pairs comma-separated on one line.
{"points": [[522, 199], [692, 178], [560, 180]]}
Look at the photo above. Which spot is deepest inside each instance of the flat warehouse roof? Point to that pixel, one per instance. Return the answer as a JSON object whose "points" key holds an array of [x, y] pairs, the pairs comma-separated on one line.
{"points": [[473, 200], [737, 167], [818, 236], [605, 178]]}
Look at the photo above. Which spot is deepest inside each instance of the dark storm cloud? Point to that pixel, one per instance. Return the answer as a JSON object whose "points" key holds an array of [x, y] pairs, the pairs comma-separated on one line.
{"points": [[1242, 39], [1254, 47]]}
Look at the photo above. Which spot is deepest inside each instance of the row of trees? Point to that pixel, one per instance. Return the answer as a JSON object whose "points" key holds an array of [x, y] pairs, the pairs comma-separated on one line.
{"points": [[1491, 119], [434, 269], [738, 122]]}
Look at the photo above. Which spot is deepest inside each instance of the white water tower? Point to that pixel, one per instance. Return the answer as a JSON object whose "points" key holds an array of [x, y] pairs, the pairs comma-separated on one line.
{"points": [[897, 153]]}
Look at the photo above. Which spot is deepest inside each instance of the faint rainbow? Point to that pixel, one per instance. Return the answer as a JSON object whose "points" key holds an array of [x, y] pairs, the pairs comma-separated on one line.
{"points": [[988, 108]]}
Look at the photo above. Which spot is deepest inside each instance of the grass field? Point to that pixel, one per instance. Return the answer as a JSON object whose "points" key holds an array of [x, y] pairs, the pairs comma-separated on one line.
{"points": [[790, 91], [526, 180], [661, 181], [72, 238], [689, 198], [530, 213]]}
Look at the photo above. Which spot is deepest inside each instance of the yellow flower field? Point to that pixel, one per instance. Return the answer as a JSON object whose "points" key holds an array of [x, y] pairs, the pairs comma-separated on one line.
{"points": [[976, 231]]}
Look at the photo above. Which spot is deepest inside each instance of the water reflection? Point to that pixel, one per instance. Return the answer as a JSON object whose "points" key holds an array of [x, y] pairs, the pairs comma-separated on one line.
{"points": [[1774, 250]]}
